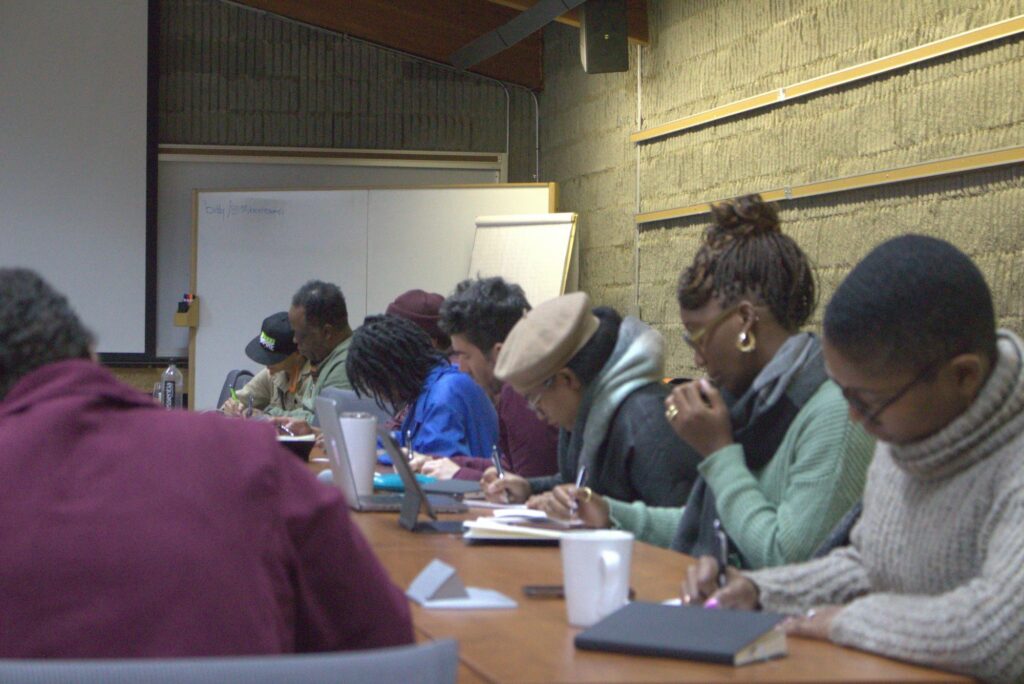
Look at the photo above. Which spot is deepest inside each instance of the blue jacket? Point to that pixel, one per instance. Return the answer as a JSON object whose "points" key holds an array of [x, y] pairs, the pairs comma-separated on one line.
{"points": [[452, 416]]}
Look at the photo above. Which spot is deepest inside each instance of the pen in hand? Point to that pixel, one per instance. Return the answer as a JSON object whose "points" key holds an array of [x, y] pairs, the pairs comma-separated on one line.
{"points": [[581, 475], [496, 460], [248, 410], [721, 558], [285, 429], [234, 395], [721, 553]]}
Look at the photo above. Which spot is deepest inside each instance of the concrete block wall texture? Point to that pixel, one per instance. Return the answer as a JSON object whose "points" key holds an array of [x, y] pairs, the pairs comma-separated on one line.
{"points": [[234, 76], [705, 54]]}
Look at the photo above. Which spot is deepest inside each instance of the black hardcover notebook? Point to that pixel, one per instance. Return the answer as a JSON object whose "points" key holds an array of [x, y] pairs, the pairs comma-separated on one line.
{"points": [[731, 637]]}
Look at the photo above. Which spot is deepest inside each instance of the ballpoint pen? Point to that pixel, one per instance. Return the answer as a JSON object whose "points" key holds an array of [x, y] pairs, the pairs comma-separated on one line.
{"points": [[248, 410], [581, 475], [721, 553], [496, 460], [722, 558], [285, 429], [234, 395]]}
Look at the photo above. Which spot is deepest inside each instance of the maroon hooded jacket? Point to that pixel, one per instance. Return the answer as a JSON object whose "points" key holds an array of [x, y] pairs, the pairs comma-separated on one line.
{"points": [[129, 530]]}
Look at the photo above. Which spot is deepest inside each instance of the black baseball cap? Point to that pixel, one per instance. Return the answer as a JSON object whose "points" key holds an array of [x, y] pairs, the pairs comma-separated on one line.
{"points": [[276, 341]]}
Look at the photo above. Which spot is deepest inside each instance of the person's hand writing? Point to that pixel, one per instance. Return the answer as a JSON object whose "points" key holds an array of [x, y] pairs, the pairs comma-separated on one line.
{"points": [[418, 461], [549, 504], [295, 426], [591, 508], [233, 408], [698, 414], [489, 476], [814, 624], [441, 468], [700, 587], [514, 487]]}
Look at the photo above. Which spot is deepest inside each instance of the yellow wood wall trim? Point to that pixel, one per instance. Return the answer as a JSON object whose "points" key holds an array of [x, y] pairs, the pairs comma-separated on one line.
{"points": [[899, 60], [928, 169]]}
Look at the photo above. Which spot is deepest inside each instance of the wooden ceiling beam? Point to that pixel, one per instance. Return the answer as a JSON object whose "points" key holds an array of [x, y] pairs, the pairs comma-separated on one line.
{"points": [[431, 29], [636, 17]]}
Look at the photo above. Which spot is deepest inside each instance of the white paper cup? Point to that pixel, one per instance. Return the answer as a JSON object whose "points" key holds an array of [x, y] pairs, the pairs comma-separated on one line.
{"points": [[360, 432], [595, 572]]}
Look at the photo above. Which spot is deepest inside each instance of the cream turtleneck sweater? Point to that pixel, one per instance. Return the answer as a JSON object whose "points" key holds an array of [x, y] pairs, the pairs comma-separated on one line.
{"points": [[935, 570]]}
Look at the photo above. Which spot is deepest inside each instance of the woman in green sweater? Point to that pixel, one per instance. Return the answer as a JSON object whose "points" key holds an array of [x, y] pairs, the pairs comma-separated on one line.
{"points": [[932, 574], [781, 461]]}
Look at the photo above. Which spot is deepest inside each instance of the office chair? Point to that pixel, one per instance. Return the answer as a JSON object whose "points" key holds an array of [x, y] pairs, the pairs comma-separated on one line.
{"points": [[236, 379], [433, 662]]}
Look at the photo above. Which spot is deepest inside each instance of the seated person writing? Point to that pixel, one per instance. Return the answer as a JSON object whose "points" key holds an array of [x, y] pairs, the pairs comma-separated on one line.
{"points": [[278, 387], [933, 571], [781, 462], [445, 412], [479, 316], [131, 531], [319, 317], [597, 377]]}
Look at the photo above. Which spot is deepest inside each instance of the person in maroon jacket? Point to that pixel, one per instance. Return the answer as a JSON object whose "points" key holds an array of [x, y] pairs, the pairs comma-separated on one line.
{"points": [[128, 530], [478, 316]]}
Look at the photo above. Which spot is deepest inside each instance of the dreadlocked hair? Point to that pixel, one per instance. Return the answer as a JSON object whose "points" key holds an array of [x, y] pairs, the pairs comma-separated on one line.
{"points": [[389, 359], [745, 254]]}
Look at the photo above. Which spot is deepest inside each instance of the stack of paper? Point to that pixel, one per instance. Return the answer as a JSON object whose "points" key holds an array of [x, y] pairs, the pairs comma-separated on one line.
{"points": [[518, 526]]}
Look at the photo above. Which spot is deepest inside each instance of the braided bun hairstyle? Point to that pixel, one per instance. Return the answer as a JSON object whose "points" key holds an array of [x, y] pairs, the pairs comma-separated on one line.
{"points": [[745, 254]]}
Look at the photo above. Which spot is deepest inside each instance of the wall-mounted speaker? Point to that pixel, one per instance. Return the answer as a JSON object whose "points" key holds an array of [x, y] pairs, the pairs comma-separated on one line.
{"points": [[604, 36]]}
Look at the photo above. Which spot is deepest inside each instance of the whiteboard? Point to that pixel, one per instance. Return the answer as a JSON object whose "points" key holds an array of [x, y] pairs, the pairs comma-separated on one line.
{"points": [[73, 157], [253, 250], [183, 169], [534, 250]]}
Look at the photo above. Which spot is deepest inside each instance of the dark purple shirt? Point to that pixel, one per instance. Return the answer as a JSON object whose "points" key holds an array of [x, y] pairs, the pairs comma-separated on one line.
{"points": [[129, 530], [528, 445]]}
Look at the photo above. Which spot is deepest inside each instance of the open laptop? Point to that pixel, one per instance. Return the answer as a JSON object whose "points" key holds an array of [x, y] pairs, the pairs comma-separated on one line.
{"points": [[415, 500], [344, 478]]}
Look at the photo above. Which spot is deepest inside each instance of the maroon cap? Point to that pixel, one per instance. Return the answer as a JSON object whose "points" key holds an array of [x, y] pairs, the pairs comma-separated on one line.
{"points": [[421, 308]]}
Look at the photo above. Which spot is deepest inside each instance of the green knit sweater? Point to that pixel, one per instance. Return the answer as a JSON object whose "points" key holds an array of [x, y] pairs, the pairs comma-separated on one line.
{"points": [[782, 512]]}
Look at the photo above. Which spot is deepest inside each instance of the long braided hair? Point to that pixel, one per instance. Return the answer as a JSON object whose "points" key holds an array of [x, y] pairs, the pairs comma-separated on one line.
{"points": [[389, 359], [745, 254]]}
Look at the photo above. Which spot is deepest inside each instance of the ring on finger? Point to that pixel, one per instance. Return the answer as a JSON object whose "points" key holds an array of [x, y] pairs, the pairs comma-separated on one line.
{"points": [[671, 412], [586, 493]]}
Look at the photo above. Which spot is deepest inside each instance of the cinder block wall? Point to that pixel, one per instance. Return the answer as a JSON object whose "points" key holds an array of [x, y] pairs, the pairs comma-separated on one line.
{"points": [[705, 54], [234, 76]]}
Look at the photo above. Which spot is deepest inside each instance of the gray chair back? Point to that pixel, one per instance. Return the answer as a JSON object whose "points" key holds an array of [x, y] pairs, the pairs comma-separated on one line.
{"points": [[433, 662], [236, 379], [347, 401]]}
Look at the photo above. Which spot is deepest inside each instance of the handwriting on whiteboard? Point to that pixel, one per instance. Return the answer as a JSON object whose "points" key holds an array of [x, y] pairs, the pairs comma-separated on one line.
{"points": [[255, 208]]}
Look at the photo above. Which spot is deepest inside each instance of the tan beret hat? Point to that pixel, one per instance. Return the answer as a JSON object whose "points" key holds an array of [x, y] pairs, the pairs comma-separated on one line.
{"points": [[544, 340]]}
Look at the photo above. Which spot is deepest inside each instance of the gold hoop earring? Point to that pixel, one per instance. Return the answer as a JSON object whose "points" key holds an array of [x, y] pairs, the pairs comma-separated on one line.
{"points": [[746, 342]]}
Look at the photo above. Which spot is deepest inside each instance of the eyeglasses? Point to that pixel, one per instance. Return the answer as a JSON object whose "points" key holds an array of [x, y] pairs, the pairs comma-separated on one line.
{"points": [[871, 414], [534, 398], [695, 340]]}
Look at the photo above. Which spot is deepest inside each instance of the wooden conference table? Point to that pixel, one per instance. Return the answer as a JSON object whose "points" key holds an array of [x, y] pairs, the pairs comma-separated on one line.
{"points": [[534, 642]]}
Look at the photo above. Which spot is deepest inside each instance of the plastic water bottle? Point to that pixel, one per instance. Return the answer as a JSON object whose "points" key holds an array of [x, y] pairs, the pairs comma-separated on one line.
{"points": [[173, 385]]}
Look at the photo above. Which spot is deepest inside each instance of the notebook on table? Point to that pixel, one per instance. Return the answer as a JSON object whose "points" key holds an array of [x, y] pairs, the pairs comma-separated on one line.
{"points": [[729, 637], [344, 478]]}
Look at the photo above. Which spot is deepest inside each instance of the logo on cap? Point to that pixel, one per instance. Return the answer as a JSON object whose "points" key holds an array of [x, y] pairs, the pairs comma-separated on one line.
{"points": [[267, 342]]}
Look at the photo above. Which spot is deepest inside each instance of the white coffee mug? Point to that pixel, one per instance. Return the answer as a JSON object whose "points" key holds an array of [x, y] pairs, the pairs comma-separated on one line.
{"points": [[360, 431], [595, 572]]}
